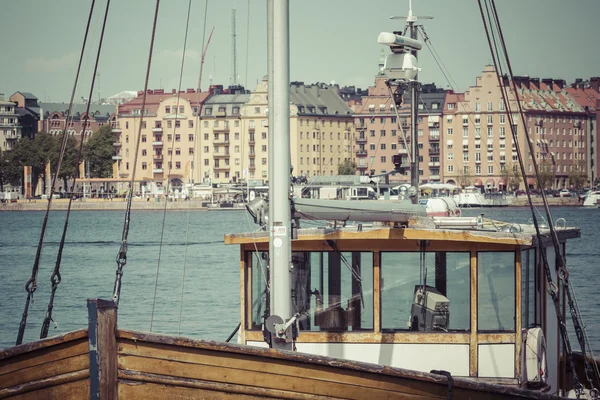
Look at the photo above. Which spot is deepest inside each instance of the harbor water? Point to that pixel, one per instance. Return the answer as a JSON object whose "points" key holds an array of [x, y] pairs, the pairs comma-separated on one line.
{"points": [[189, 285]]}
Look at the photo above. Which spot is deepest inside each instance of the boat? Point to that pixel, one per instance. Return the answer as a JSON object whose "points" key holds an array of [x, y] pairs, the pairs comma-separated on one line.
{"points": [[472, 196], [592, 199], [343, 311]]}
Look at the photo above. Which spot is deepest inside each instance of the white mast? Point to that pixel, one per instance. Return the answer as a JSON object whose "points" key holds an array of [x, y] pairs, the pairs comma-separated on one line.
{"points": [[279, 181]]}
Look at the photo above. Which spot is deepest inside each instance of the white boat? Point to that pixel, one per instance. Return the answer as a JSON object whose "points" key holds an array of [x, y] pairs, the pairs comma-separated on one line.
{"points": [[472, 196], [592, 199]]}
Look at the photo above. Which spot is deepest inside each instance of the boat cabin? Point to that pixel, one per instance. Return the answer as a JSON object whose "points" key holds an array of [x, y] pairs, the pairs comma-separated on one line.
{"points": [[455, 294]]}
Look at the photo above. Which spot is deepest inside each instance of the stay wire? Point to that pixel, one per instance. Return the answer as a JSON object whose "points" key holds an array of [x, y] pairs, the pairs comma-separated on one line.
{"points": [[170, 165], [189, 211], [31, 284], [122, 254], [55, 278], [562, 272], [552, 289]]}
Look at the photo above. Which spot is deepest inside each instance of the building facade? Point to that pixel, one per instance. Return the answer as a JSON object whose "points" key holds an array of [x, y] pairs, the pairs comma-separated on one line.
{"points": [[10, 129], [168, 137], [53, 118], [379, 135], [477, 140], [28, 110]]}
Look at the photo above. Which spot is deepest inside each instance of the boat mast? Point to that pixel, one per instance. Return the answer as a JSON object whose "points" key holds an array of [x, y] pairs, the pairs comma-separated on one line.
{"points": [[414, 114], [280, 257]]}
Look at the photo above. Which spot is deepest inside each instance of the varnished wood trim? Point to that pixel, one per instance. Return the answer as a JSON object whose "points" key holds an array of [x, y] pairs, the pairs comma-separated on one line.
{"points": [[160, 387], [103, 348], [372, 337], [377, 291], [42, 344], [518, 311], [44, 371], [473, 346], [496, 338], [54, 381], [45, 355], [392, 233], [246, 269]]}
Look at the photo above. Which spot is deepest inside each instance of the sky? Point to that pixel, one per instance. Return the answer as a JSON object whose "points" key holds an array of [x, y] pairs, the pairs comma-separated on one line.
{"points": [[330, 40]]}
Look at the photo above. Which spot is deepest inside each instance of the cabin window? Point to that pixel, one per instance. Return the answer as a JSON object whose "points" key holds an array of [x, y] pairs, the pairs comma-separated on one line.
{"points": [[496, 291], [445, 274], [528, 288], [333, 291]]}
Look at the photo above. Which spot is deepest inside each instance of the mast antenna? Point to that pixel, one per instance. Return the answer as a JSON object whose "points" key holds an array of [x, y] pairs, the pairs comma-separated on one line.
{"points": [[233, 50]]}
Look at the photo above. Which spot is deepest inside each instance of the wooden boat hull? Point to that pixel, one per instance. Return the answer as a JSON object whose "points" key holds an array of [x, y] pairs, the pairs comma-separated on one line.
{"points": [[106, 363]]}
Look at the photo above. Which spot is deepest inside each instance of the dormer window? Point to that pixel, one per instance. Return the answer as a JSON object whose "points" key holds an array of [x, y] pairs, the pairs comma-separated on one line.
{"points": [[208, 111]]}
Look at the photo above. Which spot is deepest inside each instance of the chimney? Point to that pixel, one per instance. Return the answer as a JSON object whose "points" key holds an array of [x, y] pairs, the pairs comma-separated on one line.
{"points": [[140, 93], [560, 83], [190, 91], [159, 91], [595, 84], [173, 91]]}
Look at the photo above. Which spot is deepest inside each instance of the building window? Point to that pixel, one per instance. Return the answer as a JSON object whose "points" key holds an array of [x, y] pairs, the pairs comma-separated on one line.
{"points": [[450, 131], [496, 308], [190, 123], [144, 166], [450, 106], [450, 168], [143, 138], [167, 109]]}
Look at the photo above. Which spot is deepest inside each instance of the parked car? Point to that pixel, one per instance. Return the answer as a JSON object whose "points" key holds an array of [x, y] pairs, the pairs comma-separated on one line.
{"points": [[565, 193]]}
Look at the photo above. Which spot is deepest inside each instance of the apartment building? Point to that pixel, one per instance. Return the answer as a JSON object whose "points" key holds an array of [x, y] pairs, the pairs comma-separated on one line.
{"points": [[10, 129], [477, 140], [379, 135], [53, 118], [587, 95], [321, 130], [168, 137], [28, 110], [224, 141]]}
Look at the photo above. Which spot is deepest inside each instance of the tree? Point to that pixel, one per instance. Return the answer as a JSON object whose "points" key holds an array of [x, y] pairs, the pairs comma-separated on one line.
{"points": [[577, 178], [512, 176], [99, 151], [464, 177], [69, 167], [10, 171], [547, 175], [347, 167]]}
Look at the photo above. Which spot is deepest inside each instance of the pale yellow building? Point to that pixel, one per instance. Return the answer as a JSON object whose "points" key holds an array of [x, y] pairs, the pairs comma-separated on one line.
{"points": [[10, 128]]}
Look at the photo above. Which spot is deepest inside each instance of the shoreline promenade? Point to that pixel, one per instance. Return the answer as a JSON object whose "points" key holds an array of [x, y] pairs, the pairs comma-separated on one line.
{"points": [[196, 205]]}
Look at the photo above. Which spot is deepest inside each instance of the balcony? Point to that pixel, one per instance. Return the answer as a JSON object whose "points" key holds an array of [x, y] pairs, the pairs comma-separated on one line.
{"points": [[361, 140], [117, 144], [157, 129], [361, 167], [220, 114], [434, 151], [434, 138], [251, 128], [251, 141], [157, 157], [252, 155], [157, 143], [361, 153], [117, 130], [221, 141], [117, 157], [221, 167], [123, 174], [221, 128], [252, 168], [434, 163], [434, 177], [157, 170], [221, 155], [360, 125]]}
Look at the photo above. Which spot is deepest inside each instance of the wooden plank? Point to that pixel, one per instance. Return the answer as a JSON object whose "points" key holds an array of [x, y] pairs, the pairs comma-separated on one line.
{"points": [[473, 346], [246, 269], [303, 382], [41, 344], [376, 292], [44, 371], [494, 338], [518, 311], [374, 337], [160, 387], [260, 365], [44, 355], [46, 385], [73, 390], [102, 316]]}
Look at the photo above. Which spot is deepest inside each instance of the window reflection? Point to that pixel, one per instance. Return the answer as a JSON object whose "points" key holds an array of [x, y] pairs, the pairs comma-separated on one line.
{"points": [[427, 291], [332, 291], [496, 291]]}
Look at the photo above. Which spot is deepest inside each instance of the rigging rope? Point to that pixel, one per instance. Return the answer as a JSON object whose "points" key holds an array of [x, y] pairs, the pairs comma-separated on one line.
{"points": [[191, 191], [162, 231], [562, 273], [31, 284], [55, 278], [122, 254]]}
